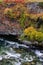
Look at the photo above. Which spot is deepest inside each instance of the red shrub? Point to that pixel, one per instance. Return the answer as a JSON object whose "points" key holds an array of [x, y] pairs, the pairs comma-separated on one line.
{"points": [[17, 1]]}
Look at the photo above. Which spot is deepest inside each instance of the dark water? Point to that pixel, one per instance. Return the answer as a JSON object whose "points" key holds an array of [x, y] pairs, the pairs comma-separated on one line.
{"points": [[13, 53]]}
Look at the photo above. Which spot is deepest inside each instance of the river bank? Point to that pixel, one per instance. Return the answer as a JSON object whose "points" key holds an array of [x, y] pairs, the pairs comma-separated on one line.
{"points": [[14, 38]]}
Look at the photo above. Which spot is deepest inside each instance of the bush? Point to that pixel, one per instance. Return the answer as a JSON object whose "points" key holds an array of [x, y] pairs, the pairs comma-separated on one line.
{"points": [[39, 36], [22, 20], [40, 4], [9, 13], [33, 35]]}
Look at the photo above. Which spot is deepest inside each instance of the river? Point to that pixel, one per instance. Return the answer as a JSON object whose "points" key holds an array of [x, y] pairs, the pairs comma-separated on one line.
{"points": [[14, 53]]}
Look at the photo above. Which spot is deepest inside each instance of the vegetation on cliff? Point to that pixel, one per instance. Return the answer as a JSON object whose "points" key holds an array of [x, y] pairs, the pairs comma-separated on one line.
{"points": [[33, 35]]}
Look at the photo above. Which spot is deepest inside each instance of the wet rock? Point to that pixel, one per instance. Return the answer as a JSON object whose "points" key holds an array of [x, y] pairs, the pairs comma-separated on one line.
{"points": [[27, 42], [32, 44], [1, 58], [13, 55], [40, 55], [35, 42], [41, 59], [2, 42], [28, 59], [6, 57]]}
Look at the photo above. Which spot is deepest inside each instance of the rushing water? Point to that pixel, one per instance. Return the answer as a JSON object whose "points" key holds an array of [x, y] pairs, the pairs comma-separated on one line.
{"points": [[13, 53]]}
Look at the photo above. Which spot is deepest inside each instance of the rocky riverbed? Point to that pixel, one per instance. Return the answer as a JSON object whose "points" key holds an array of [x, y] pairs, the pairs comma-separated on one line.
{"points": [[14, 53]]}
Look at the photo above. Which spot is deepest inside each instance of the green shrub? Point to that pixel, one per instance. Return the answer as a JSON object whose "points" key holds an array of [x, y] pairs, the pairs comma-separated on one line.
{"points": [[22, 20], [40, 4]]}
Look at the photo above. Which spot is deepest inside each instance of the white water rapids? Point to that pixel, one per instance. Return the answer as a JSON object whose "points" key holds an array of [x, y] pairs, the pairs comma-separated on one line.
{"points": [[9, 52]]}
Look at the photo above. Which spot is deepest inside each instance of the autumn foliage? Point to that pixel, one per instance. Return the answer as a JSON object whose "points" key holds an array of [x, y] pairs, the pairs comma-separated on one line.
{"points": [[17, 1], [33, 34]]}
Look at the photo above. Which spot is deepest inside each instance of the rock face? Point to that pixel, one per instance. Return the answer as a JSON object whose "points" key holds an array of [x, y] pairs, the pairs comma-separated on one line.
{"points": [[8, 26], [14, 28], [34, 8]]}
